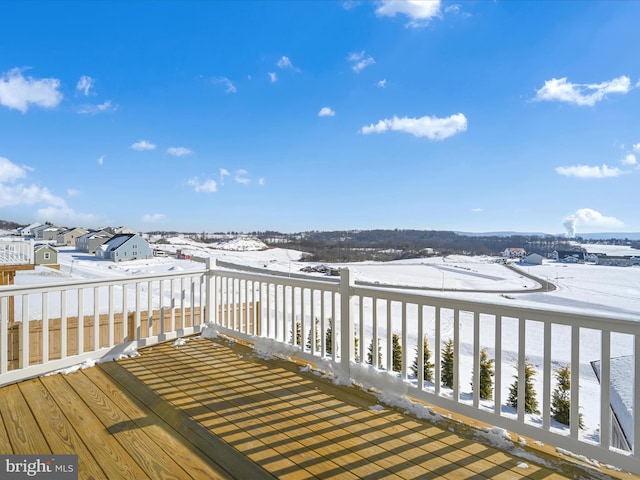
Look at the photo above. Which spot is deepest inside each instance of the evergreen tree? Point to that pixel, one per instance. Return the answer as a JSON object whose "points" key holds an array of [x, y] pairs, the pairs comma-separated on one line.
{"points": [[356, 343], [396, 349], [370, 353], [530, 401], [328, 337], [561, 398], [317, 336], [486, 376], [428, 365], [446, 364], [298, 334]]}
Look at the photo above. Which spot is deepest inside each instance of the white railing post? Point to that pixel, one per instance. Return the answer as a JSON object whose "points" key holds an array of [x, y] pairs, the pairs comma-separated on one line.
{"points": [[346, 320], [211, 295]]}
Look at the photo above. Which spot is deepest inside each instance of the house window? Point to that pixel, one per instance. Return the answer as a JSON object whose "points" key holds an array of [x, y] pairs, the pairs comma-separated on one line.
{"points": [[47, 255]]}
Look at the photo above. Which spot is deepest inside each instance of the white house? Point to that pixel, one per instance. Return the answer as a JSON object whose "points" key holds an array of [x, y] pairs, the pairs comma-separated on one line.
{"points": [[26, 231], [516, 252], [126, 246], [533, 259]]}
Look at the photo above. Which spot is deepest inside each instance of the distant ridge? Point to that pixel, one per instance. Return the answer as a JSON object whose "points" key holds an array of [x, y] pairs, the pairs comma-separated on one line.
{"points": [[608, 235], [509, 234], [586, 236]]}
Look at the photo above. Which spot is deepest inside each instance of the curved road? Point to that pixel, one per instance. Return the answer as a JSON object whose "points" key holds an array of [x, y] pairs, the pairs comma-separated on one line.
{"points": [[545, 285]]}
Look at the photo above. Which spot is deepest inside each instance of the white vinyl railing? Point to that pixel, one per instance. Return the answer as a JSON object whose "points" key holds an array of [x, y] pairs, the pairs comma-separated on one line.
{"points": [[90, 320], [324, 320], [16, 252], [345, 324]]}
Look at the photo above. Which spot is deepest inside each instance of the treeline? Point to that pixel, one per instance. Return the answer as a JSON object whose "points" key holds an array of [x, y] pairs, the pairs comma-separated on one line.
{"points": [[5, 225], [384, 245]]}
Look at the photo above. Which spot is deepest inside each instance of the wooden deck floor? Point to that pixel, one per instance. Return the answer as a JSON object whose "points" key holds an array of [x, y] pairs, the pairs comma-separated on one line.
{"points": [[211, 409]]}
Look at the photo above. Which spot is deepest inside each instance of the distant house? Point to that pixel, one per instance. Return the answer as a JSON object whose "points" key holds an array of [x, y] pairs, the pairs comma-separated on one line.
{"points": [[45, 254], [51, 233], [617, 260], [117, 230], [621, 400], [90, 241], [37, 231], [125, 246], [68, 237], [26, 231], [514, 252], [569, 256], [533, 259]]}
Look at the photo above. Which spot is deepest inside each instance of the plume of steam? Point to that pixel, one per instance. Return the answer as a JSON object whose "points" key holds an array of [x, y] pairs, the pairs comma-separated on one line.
{"points": [[570, 222], [590, 218]]}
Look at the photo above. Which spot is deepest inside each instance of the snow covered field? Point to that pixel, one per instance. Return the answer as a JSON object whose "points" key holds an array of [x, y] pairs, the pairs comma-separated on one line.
{"points": [[580, 288]]}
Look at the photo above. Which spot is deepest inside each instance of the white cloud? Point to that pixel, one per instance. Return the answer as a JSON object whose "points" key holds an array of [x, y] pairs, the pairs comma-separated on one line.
{"points": [[101, 160], [284, 63], [477, 210], [224, 81], [636, 148], [106, 106], [629, 159], [223, 173], [66, 216], [586, 171], [326, 112], [273, 77], [179, 151], [455, 8], [588, 94], [19, 92], [360, 61], [85, 84], [433, 128], [72, 192], [351, 4], [383, 83], [27, 195], [589, 218], [10, 172], [143, 145], [420, 12], [261, 181], [241, 177], [209, 185], [153, 217], [56, 208]]}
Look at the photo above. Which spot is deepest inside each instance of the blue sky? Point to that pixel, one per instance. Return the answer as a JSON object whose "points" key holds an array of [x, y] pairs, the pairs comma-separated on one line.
{"points": [[299, 115]]}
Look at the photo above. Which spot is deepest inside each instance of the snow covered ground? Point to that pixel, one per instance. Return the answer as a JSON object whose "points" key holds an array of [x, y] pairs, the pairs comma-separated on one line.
{"points": [[580, 288]]}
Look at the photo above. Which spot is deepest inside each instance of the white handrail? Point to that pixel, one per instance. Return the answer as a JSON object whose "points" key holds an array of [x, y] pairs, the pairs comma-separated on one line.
{"points": [[16, 252]]}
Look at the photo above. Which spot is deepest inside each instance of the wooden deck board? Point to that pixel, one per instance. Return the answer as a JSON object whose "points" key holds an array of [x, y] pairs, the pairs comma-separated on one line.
{"points": [[105, 448], [215, 410], [130, 431], [22, 429], [57, 429], [158, 431]]}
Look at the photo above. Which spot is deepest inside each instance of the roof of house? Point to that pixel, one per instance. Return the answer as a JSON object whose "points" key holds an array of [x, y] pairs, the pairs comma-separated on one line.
{"points": [[621, 393], [40, 246], [116, 242], [95, 234]]}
